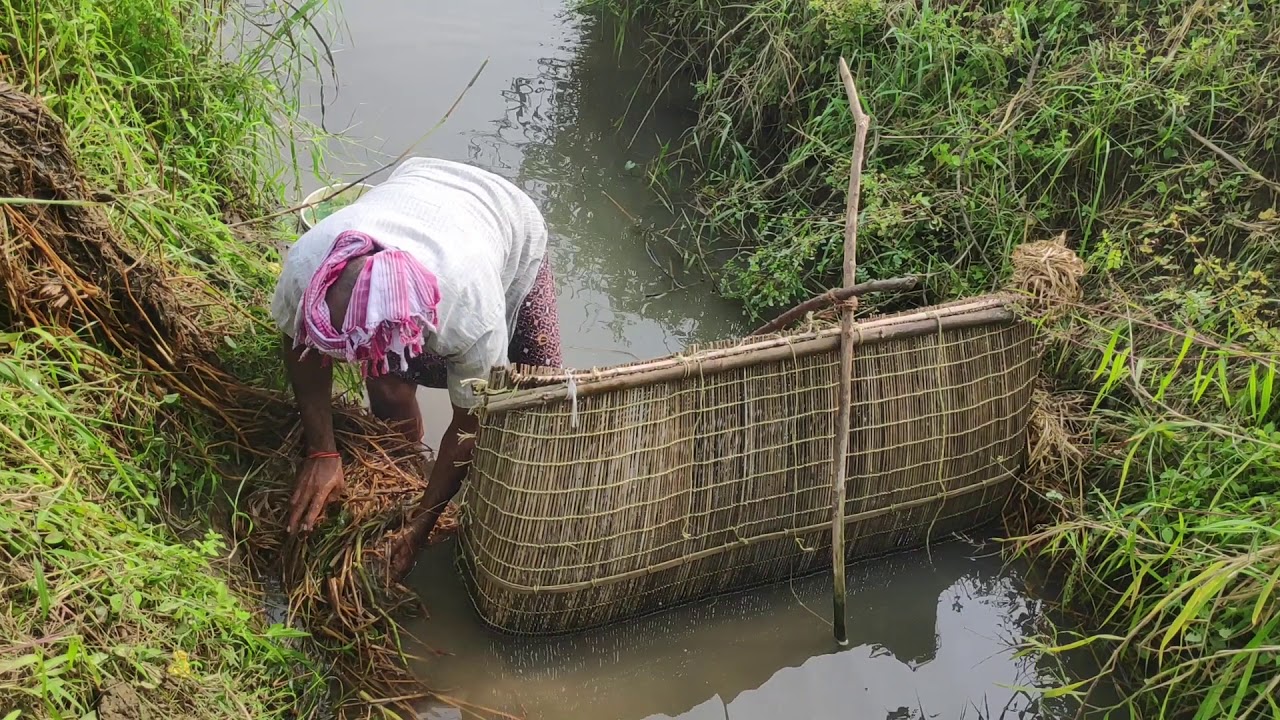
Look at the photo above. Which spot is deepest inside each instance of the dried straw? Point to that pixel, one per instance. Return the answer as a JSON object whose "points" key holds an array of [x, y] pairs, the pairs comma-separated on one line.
{"points": [[338, 579], [1048, 273], [1056, 439], [1058, 450]]}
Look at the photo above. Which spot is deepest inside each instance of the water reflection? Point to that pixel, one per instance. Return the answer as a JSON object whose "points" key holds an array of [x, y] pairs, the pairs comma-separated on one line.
{"points": [[932, 635], [567, 136]]}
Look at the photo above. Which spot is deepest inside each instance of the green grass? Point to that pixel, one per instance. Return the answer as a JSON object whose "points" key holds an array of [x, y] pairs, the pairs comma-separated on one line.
{"points": [[1145, 130], [967, 159], [1172, 556], [98, 590]]}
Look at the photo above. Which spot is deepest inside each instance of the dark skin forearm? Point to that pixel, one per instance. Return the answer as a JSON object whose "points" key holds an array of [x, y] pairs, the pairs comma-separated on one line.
{"points": [[311, 378], [457, 448], [312, 382], [320, 479]]}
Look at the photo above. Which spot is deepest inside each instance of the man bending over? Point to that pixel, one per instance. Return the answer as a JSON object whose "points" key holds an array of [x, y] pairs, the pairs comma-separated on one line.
{"points": [[431, 278]]}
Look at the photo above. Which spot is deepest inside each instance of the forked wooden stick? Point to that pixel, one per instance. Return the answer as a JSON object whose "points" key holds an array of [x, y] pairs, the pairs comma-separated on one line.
{"points": [[841, 450], [832, 297]]}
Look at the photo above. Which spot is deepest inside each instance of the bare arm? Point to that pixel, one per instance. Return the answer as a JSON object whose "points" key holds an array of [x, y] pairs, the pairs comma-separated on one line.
{"points": [[320, 480], [457, 448], [312, 382]]}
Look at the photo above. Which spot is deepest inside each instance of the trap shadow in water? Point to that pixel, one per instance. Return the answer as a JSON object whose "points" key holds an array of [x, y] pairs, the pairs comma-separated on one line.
{"points": [[932, 635]]}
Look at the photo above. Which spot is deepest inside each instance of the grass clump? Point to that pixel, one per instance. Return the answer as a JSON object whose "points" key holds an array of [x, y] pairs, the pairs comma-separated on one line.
{"points": [[1170, 552], [995, 123], [139, 379], [140, 178], [103, 606], [1141, 133]]}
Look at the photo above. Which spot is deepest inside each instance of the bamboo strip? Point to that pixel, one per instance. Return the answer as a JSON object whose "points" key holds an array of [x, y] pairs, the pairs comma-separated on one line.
{"points": [[831, 297], [602, 581], [521, 378], [864, 334]]}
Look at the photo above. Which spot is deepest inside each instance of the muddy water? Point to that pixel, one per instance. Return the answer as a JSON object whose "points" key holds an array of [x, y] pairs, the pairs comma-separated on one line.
{"points": [[933, 633], [542, 113]]}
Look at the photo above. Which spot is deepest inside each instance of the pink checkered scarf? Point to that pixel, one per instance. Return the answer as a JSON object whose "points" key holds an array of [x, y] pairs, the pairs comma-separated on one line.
{"points": [[393, 303]]}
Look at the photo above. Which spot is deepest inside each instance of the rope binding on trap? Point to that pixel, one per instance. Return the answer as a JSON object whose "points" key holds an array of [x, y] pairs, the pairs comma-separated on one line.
{"points": [[573, 398]]}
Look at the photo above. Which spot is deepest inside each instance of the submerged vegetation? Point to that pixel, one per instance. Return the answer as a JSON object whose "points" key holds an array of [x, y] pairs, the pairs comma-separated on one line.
{"points": [[1145, 134]]}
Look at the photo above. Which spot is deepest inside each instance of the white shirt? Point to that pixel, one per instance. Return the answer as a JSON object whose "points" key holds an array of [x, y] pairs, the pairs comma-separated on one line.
{"points": [[481, 236]]}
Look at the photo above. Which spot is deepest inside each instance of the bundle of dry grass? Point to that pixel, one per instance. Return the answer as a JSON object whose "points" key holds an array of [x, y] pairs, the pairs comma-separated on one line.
{"points": [[337, 579], [63, 266], [1058, 449], [1048, 273], [1056, 441]]}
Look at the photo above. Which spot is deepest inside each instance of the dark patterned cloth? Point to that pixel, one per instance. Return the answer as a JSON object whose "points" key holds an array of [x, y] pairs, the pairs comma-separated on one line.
{"points": [[536, 340]]}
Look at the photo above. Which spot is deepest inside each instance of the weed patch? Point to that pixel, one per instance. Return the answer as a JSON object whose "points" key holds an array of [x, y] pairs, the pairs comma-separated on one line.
{"points": [[140, 385]]}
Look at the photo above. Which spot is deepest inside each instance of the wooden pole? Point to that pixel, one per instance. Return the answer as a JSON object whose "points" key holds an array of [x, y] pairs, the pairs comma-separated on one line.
{"points": [[841, 450], [831, 297], [866, 334]]}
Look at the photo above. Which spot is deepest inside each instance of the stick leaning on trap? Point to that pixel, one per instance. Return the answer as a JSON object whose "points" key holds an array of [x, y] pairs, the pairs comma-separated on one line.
{"points": [[840, 448]]}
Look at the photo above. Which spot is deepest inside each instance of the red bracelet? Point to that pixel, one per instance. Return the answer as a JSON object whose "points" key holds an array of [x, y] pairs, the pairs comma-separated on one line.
{"points": [[318, 455]]}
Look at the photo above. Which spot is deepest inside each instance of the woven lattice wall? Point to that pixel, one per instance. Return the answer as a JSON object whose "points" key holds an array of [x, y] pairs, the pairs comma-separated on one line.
{"points": [[657, 494]]}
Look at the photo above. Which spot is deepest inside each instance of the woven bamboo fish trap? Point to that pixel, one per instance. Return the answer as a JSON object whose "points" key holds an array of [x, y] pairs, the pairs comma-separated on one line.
{"points": [[645, 486]]}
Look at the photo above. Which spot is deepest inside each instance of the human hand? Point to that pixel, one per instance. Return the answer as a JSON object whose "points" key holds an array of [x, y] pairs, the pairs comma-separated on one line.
{"points": [[320, 481], [407, 544]]}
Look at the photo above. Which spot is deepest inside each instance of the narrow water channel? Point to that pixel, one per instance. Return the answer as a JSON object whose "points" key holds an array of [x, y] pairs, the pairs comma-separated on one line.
{"points": [[932, 635], [556, 110], [553, 112]]}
